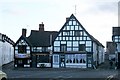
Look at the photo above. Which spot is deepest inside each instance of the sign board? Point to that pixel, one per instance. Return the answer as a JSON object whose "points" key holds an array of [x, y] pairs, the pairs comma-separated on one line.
{"points": [[22, 56]]}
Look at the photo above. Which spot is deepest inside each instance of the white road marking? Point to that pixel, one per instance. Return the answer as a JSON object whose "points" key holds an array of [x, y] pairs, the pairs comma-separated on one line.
{"points": [[110, 77]]}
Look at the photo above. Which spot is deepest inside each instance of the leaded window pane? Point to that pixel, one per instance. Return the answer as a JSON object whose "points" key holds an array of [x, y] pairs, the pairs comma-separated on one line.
{"points": [[63, 42], [69, 49], [88, 43], [74, 22], [82, 42], [56, 48], [88, 49], [72, 27], [75, 49], [88, 38], [68, 27], [75, 43], [70, 22], [76, 27], [57, 43], [69, 43], [56, 58], [84, 38]]}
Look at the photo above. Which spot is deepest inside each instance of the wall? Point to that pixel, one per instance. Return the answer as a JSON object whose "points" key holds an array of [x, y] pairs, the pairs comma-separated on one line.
{"points": [[6, 52]]}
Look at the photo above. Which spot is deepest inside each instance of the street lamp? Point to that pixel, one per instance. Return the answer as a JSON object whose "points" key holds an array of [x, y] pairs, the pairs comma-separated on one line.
{"points": [[51, 57]]}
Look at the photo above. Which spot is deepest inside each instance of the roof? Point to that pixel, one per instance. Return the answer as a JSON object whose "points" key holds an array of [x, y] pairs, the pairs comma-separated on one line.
{"points": [[72, 16], [25, 38], [41, 38]]}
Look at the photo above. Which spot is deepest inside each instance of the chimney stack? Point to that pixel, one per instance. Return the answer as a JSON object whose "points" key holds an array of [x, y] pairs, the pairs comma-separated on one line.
{"points": [[41, 27], [24, 32], [67, 18]]}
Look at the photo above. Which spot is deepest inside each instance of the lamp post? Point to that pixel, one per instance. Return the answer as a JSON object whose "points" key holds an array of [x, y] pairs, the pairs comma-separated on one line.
{"points": [[51, 57], [1, 58]]}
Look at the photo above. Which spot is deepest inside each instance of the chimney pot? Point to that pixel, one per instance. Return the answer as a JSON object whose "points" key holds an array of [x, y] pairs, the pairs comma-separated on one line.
{"points": [[67, 18], [41, 27], [24, 32]]}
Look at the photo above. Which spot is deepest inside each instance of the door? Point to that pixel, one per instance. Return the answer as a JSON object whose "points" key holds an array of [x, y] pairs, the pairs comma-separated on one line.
{"points": [[118, 60], [20, 63], [62, 61]]}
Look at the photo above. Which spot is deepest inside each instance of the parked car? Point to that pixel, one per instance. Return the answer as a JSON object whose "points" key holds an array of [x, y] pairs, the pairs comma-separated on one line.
{"points": [[3, 76]]}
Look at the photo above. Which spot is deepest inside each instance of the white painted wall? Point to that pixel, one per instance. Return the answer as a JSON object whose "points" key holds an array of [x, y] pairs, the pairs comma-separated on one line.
{"points": [[94, 51], [101, 53], [6, 53]]}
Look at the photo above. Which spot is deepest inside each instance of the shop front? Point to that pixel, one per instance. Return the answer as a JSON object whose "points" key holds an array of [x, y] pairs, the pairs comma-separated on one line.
{"points": [[22, 60]]}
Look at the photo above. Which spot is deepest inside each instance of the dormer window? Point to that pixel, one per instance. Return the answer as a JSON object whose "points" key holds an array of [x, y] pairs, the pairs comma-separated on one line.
{"points": [[22, 49]]}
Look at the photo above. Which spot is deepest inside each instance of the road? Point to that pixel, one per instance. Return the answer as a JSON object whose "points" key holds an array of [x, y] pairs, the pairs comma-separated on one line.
{"points": [[58, 74]]}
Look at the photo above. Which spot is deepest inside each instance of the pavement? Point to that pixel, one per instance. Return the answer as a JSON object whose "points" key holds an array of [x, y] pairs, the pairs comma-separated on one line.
{"points": [[103, 66]]}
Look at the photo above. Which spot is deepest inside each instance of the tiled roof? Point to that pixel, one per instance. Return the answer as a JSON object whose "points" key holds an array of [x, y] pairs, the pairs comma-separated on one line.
{"points": [[41, 38]]}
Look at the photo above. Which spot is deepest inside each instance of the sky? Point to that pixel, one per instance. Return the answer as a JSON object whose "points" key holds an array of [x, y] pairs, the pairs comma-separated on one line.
{"points": [[97, 16]]}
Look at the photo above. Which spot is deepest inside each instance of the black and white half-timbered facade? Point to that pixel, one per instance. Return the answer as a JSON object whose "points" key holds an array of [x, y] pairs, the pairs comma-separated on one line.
{"points": [[74, 47], [34, 50], [71, 47]]}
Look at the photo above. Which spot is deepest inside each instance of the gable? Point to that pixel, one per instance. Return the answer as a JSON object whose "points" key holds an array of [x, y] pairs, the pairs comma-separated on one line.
{"points": [[22, 41], [72, 37], [73, 28]]}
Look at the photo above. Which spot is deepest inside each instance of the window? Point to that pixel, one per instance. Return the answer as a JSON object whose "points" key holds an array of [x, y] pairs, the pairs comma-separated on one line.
{"points": [[63, 47], [22, 49], [65, 34], [88, 49], [72, 27], [70, 22], [75, 49], [69, 49], [76, 27], [56, 48], [63, 42], [82, 42], [74, 22], [68, 27], [44, 49], [75, 43], [57, 43], [42, 58], [88, 43], [69, 43]]}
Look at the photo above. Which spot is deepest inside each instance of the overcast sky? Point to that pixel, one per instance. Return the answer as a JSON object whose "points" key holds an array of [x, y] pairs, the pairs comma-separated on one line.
{"points": [[97, 16]]}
